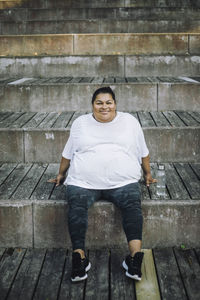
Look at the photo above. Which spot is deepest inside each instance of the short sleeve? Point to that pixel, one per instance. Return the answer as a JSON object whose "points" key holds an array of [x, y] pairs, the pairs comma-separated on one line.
{"points": [[142, 147], [68, 150]]}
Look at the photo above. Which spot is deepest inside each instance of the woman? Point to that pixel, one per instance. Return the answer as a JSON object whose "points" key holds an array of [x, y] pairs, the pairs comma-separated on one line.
{"points": [[104, 154]]}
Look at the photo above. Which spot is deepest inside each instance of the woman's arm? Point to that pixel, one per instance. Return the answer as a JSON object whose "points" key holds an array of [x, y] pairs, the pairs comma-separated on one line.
{"points": [[147, 170], [64, 166]]}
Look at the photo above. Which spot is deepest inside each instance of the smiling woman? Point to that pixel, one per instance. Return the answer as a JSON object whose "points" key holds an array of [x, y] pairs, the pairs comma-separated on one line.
{"points": [[104, 154]]}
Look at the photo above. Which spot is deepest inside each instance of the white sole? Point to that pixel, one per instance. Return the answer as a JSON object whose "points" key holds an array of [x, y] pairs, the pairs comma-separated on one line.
{"points": [[136, 277], [77, 278]]}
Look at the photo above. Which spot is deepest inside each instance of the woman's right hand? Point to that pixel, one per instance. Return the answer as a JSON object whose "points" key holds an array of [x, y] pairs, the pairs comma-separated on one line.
{"points": [[58, 180]]}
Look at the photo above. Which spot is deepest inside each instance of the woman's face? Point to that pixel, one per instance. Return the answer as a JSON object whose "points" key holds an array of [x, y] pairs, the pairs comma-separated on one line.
{"points": [[104, 108]]}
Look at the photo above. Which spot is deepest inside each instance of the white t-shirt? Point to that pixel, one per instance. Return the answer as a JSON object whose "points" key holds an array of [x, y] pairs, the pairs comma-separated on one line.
{"points": [[105, 155]]}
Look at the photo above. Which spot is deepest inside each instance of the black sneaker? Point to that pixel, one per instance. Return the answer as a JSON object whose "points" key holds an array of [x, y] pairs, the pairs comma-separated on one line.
{"points": [[132, 265], [79, 267]]}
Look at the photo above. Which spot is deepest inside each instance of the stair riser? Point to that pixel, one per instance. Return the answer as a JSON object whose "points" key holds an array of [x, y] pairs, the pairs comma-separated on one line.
{"points": [[130, 97], [98, 26], [100, 44], [101, 66], [165, 144], [44, 224], [60, 14]]}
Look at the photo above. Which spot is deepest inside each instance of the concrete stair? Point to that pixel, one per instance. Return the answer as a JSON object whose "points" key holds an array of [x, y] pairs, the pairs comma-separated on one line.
{"points": [[51, 63]]}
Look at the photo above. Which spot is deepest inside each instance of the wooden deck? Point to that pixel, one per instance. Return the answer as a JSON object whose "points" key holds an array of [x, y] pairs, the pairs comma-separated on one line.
{"points": [[44, 274]]}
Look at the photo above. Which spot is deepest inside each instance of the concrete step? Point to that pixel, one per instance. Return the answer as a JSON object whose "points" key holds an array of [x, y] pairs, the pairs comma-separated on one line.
{"points": [[132, 93], [100, 44], [37, 210], [110, 13], [26, 136], [98, 3], [101, 65], [99, 26]]}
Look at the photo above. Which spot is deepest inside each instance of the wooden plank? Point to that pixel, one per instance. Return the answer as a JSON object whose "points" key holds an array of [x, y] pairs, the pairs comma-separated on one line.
{"points": [[51, 275], [23, 119], [186, 118], [189, 178], [97, 80], [69, 290], [173, 119], [120, 79], [59, 193], [5, 170], [4, 115], [26, 280], [65, 79], [10, 184], [197, 251], [86, 79], [171, 285], [148, 288], [49, 120], [121, 286], [190, 272], [36, 120], [159, 119], [63, 119], [109, 80], [75, 80], [131, 79], [153, 187], [98, 277], [8, 121], [196, 168], [26, 187], [146, 119], [174, 184], [195, 115], [44, 188], [9, 266]]}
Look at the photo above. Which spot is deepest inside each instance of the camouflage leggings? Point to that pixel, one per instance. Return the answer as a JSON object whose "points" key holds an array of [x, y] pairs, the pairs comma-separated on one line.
{"points": [[126, 198]]}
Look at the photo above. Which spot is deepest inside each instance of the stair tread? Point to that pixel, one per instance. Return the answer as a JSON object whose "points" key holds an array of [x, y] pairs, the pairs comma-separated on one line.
{"points": [[29, 181], [62, 120]]}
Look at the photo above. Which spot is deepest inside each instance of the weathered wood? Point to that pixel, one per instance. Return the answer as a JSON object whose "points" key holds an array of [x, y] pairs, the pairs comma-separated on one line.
{"points": [[36, 120], [174, 184], [173, 119], [109, 80], [121, 286], [189, 178], [148, 288], [65, 80], [195, 115], [187, 119], [4, 115], [10, 184], [98, 278], [51, 275], [26, 187], [49, 120], [63, 120], [69, 290], [159, 119], [27, 276], [97, 80], [171, 285], [44, 188], [21, 121], [75, 80], [146, 119], [5, 170], [120, 80], [190, 272], [86, 79], [8, 121], [59, 193], [8, 268], [196, 168], [131, 79]]}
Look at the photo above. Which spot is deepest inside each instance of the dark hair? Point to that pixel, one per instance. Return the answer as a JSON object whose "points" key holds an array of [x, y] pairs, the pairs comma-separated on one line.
{"points": [[103, 90]]}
